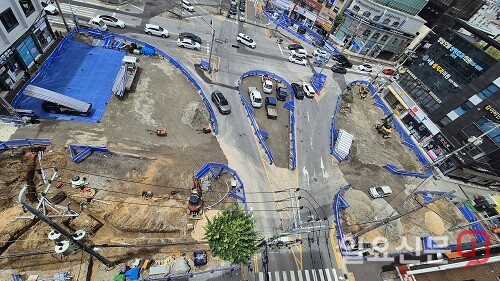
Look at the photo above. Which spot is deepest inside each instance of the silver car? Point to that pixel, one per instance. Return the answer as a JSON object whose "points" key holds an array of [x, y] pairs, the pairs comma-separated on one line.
{"points": [[221, 103]]}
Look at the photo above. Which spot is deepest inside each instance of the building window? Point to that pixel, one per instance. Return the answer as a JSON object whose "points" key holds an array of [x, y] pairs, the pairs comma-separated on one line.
{"points": [[328, 5], [367, 33], [486, 125], [386, 21], [445, 121], [488, 91], [376, 18], [394, 41], [8, 19], [384, 38], [355, 9], [27, 7], [395, 23], [367, 14]]}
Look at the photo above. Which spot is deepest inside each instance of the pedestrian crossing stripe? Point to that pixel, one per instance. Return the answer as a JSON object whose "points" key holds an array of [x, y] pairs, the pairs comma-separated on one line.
{"points": [[327, 274], [78, 10]]}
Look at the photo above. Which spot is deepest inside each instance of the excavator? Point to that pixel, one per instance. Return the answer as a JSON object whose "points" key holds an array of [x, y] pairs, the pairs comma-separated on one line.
{"points": [[195, 202], [385, 129]]}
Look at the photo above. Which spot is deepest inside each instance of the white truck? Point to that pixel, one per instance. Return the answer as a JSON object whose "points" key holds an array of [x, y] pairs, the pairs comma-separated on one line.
{"points": [[255, 97], [132, 66], [267, 85]]}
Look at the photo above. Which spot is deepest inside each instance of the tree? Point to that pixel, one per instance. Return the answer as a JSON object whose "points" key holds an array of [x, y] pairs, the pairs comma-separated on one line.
{"points": [[339, 19], [232, 235]]}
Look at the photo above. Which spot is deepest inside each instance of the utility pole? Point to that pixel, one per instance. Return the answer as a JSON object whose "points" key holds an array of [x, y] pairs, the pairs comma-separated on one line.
{"points": [[389, 219], [265, 263], [353, 36], [63, 231], [211, 46], [62, 16]]}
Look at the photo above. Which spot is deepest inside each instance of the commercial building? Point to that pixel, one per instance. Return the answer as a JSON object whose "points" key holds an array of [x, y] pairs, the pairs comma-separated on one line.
{"points": [[379, 28], [24, 36], [487, 19], [448, 95]]}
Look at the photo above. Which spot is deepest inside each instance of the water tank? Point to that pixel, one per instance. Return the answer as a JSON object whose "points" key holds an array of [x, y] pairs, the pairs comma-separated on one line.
{"points": [[80, 235], [55, 236], [63, 247]]}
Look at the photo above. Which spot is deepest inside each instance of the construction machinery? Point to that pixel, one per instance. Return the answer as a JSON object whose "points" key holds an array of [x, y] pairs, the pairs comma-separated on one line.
{"points": [[195, 202], [385, 129]]}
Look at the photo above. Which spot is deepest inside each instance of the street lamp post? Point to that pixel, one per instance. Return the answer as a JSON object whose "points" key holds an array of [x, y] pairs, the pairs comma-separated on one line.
{"points": [[211, 47]]}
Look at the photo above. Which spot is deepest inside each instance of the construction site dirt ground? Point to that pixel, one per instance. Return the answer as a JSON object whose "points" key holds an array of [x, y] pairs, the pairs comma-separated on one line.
{"points": [[364, 169], [139, 161]]}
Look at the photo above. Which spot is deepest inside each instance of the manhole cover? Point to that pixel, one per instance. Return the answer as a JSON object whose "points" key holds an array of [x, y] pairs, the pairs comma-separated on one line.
{"points": [[127, 9], [315, 179]]}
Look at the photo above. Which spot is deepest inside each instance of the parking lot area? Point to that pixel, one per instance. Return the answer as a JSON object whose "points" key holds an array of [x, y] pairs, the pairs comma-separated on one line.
{"points": [[279, 129]]}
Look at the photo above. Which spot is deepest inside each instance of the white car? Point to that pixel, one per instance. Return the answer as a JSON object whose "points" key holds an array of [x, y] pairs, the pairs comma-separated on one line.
{"points": [[112, 21], [153, 29], [308, 90], [319, 52], [380, 191], [246, 40], [187, 6], [297, 60], [49, 9], [188, 43], [365, 67], [233, 2], [301, 53], [242, 16], [394, 77]]}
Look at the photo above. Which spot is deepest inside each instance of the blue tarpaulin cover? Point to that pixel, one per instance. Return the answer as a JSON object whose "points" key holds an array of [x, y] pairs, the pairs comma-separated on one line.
{"points": [[132, 274], [79, 71]]}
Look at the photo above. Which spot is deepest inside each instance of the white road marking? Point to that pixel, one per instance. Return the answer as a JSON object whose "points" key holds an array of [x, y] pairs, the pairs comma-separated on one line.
{"points": [[208, 49], [327, 273], [140, 9], [194, 17], [311, 139], [299, 275], [285, 276], [307, 116], [292, 276], [306, 272], [279, 46], [277, 274], [325, 174], [306, 174]]}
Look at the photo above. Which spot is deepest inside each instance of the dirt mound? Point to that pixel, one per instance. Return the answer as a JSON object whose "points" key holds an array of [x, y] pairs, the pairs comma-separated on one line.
{"points": [[195, 115], [434, 223]]}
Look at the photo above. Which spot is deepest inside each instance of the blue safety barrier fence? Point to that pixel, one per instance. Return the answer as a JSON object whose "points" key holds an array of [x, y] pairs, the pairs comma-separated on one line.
{"points": [[338, 204], [216, 170], [193, 274], [393, 169], [286, 23], [23, 142], [477, 227], [432, 193], [11, 119], [318, 81], [190, 78], [80, 152], [262, 135]]}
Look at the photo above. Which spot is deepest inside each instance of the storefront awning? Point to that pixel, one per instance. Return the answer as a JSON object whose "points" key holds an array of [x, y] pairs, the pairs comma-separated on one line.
{"points": [[396, 95]]}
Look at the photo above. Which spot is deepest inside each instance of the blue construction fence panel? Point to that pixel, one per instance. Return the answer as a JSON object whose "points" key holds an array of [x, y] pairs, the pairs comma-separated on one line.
{"points": [[10, 119], [23, 142], [318, 81], [80, 152], [193, 274], [431, 193], [477, 227], [288, 105], [287, 23], [337, 207], [216, 170], [153, 51], [393, 169]]}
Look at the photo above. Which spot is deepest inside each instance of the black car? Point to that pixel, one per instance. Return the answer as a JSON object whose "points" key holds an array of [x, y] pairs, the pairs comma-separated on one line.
{"points": [[345, 63], [339, 69], [295, 47], [319, 43], [339, 57], [299, 92], [221, 103], [232, 10], [191, 36], [242, 6], [57, 108]]}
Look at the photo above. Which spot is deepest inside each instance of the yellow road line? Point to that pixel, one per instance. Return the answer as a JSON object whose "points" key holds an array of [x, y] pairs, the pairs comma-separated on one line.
{"points": [[338, 256], [255, 263]]}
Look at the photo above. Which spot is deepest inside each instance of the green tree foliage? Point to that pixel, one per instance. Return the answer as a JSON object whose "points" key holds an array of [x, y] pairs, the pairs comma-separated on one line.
{"points": [[339, 19], [491, 50], [231, 235]]}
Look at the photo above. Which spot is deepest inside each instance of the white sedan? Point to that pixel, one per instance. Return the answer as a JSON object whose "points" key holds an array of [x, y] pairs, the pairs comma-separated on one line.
{"points": [[188, 43], [319, 52], [112, 21], [380, 191], [365, 67], [308, 90], [297, 60]]}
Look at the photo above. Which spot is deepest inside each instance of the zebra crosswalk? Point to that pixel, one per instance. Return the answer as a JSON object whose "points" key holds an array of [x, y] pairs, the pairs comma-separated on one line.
{"points": [[327, 274]]}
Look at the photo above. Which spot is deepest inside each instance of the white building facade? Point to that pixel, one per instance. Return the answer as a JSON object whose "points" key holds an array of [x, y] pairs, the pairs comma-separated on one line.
{"points": [[25, 35]]}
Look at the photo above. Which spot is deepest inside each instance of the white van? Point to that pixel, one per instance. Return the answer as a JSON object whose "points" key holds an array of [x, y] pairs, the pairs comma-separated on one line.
{"points": [[97, 23], [187, 6], [255, 97]]}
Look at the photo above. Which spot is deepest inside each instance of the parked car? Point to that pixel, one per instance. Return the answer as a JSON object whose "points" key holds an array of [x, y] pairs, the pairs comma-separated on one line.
{"points": [[319, 52], [270, 105], [200, 258], [242, 16], [319, 43], [242, 5], [234, 2], [191, 36], [188, 43], [57, 108], [187, 6], [153, 29], [301, 53], [338, 69], [394, 77], [246, 40], [97, 23], [49, 9], [232, 10], [365, 67], [281, 91], [308, 90], [299, 92], [297, 60], [389, 71], [345, 63], [221, 103], [339, 57], [295, 47], [112, 21], [380, 191], [301, 30]]}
